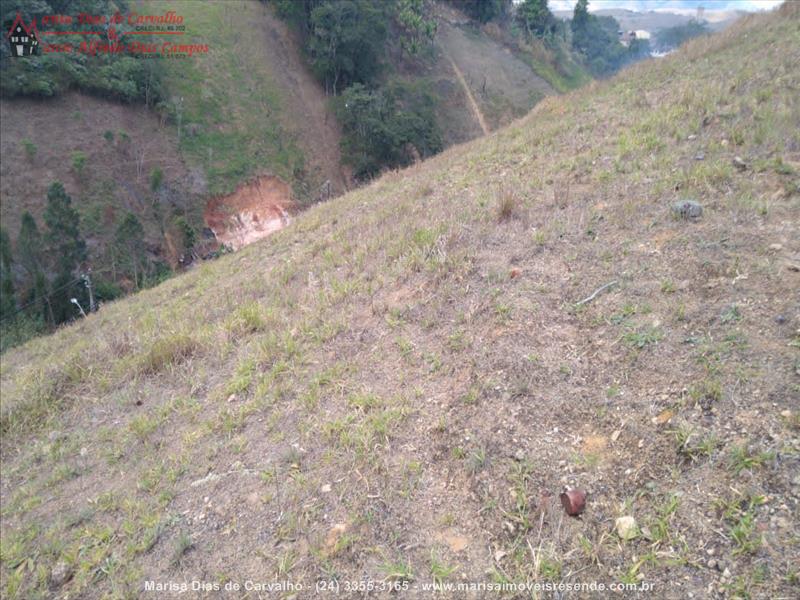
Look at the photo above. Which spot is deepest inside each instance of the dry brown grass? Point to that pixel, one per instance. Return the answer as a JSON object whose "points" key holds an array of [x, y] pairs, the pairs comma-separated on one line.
{"points": [[508, 205]]}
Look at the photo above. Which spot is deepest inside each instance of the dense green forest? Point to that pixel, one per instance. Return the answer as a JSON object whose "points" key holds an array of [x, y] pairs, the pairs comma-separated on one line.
{"points": [[123, 77]]}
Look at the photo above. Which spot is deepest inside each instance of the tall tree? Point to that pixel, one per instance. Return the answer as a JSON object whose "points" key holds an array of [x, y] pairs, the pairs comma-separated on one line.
{"points": [[30, 256], [129, 248], [67, 249], [346, 41], [29, 245], [580, 15], [8, 304], [63, 236], [418, 28], [536, 18]]}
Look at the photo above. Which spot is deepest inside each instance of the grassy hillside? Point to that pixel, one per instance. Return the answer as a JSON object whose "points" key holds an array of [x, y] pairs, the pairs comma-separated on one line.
{"points": [[239, 114], [398, 385]]}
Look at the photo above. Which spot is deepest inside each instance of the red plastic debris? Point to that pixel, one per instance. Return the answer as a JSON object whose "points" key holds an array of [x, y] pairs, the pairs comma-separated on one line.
{"points": [[573, 501]]}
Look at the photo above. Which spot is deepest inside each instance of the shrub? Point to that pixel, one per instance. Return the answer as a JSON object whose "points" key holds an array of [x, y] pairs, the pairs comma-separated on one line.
{"points": [[78, 162], [186, 232], [168, 351], [156, 179], [388, 127], [30, 148]]}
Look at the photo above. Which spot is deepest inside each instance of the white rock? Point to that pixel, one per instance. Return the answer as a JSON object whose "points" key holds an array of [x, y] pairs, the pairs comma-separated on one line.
{"points": [[626, 528]]}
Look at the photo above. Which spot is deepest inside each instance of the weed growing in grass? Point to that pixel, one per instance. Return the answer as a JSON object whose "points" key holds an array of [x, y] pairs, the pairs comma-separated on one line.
{"points": [[548, 567], [507, 205], [708, 390], [740, 515], [439, 571], [660, 525], [285, 563], [242, 378], [399, 571], [476, 461], [644, 337], [741, 458], [731, 315], [248, 318], [143, 426], [693, 446], [183, 544]]}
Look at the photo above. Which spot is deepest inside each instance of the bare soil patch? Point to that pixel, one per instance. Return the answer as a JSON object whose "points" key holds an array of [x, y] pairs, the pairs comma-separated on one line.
{"points": [[255, 210]]}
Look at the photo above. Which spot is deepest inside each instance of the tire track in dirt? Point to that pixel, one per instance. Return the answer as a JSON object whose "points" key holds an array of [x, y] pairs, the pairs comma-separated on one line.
{"points": [[470, 98]]}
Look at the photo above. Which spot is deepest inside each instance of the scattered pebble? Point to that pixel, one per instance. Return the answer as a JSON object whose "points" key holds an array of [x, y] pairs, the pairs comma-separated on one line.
{"points": [[626, 528], [60, 574], [687, 209]]}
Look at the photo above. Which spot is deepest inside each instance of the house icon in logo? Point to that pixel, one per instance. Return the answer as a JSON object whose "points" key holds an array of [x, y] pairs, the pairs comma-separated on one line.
{"points": [[23, 40]]}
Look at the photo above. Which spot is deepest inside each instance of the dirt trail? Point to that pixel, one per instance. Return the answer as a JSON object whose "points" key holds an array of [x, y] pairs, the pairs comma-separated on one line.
{"points": [[306, 108], [496, 80], [470, 98]]}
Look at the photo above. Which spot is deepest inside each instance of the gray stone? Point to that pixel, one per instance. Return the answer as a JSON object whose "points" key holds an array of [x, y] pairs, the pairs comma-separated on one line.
{"points": [[687, 209], [60, 574]]}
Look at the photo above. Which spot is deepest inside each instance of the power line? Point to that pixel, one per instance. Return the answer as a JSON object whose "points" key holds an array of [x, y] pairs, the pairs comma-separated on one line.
{"points": [[34, 301]]}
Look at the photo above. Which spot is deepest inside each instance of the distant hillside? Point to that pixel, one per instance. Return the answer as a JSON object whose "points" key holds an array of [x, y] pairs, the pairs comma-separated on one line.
{"points": [[505, 77], [654, 21], [214, 122], [600, 297], [250, 105]]}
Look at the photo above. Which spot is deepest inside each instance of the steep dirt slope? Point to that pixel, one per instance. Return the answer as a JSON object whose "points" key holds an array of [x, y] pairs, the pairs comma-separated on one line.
{"points": [[115, 178], [397, 386], [307, 109]]}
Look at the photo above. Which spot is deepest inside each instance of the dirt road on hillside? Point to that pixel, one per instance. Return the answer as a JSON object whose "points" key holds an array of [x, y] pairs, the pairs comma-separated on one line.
{"points": [[470, 98]]}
